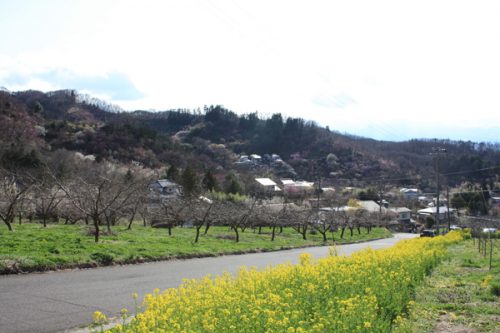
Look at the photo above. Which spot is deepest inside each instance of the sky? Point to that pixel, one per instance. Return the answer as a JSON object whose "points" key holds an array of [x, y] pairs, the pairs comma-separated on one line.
{"points": [[389, 70]]}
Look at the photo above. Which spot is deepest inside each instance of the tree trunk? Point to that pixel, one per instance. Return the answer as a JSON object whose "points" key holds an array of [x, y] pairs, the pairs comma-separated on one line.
{"points": [[260, 229], [304, 233], [108, 225], [206, 228], [9, 225], [197, 233], [169, 230], [359, 231], [130, 221], [323, 233], [352, 231], [96, 226], [273, 233], [342, 233], [44, 220], [237, 234], [281, 229], [20, 218]]}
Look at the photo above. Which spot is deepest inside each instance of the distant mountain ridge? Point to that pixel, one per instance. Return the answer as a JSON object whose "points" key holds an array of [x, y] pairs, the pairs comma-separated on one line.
{"points": [[213, 138]]}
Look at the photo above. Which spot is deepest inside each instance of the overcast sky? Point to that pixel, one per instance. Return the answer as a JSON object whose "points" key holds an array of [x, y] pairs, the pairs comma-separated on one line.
{"points": [[390, 70]]}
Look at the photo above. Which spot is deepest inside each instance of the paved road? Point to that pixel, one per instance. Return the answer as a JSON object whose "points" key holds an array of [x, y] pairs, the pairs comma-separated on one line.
{"points": [[56, 301]]}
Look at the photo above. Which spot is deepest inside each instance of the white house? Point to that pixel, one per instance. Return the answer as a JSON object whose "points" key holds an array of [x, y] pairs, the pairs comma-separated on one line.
{"points": [[432, 212], [287, 181], [256, 158], [267, 186]]}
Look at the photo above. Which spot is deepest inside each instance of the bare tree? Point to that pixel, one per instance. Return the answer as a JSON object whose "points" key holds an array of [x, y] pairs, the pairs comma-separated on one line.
{"points": [[69, 212], [359, 219], [98, 193], [46, 197], [203, 211], [258, 220], [369, 220], [143, 212], [236, 214], [168, 212], [343, 221], [137, 203], [135, 207], [321, 223], [25, 208], [274, 215], [300, 220], [13, 189]]}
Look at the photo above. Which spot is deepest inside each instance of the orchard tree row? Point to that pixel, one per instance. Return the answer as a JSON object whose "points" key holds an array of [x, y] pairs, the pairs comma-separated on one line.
{"points": [[76, 189]]}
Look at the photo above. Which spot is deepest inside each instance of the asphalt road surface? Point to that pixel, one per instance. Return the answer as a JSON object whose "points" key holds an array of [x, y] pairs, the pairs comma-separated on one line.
{"points": [[58, 301]]}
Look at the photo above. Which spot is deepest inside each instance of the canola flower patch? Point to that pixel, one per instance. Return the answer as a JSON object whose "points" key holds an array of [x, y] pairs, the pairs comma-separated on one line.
{"points": [[365, 292]]}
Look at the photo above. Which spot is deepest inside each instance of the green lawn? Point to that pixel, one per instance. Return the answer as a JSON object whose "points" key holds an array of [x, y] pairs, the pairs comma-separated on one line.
{"points": [[31, 247], [461, 295]]}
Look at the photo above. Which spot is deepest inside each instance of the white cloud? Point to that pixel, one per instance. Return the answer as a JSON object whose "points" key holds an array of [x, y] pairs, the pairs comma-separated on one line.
{"points": [[379, 67]]}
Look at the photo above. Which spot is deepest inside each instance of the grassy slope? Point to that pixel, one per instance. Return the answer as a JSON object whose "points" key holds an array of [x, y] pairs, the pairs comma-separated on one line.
{"points": [[34, 248], [458, 296]]}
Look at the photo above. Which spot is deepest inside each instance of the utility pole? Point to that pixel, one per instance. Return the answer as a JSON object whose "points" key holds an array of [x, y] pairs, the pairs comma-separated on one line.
{"points": [[448, 205], [380, 196], [318, 192], [437, 151]]}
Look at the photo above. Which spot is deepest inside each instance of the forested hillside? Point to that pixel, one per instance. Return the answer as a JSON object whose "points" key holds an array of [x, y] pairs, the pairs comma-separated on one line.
{"points": [[34, 125]]}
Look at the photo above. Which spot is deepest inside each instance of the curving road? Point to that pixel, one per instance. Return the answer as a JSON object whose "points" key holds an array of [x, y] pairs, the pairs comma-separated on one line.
{"points": [[57, 301]]}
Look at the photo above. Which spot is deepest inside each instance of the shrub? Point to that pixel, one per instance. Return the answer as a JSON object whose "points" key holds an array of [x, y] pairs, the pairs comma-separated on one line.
{"points": [[102, 258], [495, 289]]}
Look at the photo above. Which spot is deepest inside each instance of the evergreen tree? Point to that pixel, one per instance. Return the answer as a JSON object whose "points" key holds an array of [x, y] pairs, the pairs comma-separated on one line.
{"points": [[173, 173], [129, 176], [209, 181], [232, 184], [189, 182]]}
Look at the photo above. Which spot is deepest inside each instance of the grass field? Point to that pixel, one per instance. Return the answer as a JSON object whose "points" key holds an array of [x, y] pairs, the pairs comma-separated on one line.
{"points": [[461, 295], [31, 247]]}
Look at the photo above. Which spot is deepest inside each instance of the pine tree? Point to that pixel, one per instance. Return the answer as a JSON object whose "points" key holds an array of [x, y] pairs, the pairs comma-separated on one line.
{"points": [[189, 182], [209, 181], [173, 173]]}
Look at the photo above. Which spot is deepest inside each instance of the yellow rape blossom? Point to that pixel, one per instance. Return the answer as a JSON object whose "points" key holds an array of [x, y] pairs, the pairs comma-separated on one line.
{"points": [[333, 294]]}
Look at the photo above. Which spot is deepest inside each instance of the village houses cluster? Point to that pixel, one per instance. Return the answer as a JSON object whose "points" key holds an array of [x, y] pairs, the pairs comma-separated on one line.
{"points": [[402, 218]]}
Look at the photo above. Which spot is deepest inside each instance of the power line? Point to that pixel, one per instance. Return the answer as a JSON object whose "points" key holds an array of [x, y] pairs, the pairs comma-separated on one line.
{"points": [[469, 171], [378, 178]]}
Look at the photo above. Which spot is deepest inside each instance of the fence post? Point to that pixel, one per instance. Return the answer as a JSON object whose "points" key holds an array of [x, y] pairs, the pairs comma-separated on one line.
{"points": [[491, 248]]}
